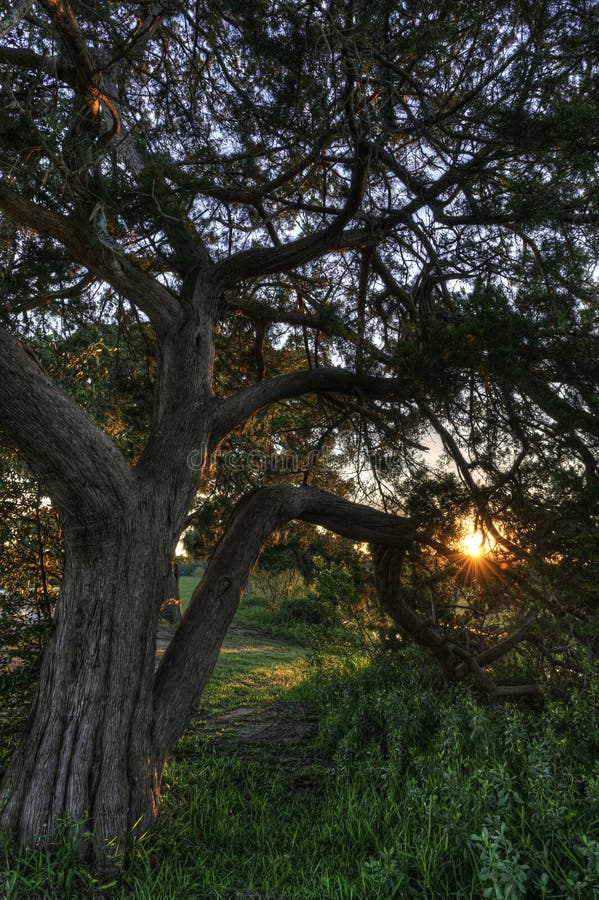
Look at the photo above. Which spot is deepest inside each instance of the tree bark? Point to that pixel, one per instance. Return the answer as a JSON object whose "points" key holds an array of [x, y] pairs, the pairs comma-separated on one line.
{"points": [[87, 755]]}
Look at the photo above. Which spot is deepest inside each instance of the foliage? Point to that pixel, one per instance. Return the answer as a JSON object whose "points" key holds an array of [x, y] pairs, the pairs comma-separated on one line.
{"points": [[407, 792], [30, 569]]}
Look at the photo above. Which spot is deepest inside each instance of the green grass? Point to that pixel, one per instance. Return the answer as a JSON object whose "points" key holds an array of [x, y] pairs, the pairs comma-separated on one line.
{"points": [[252, 613], [187, 584], [407, 790], [246, 677]]}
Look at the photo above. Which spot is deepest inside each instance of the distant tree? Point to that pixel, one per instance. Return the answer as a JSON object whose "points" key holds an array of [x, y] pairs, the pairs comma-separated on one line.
{"points": [[30, 571], [388, 209]]}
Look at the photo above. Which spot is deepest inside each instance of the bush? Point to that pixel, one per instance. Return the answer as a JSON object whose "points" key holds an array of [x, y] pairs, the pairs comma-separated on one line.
{"points": [[500, 797]]}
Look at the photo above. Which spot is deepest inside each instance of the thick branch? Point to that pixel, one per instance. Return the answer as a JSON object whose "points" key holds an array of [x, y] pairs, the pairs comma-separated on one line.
{"points": [[240, 406], [88, 81], [114, 267], [83, 472], [555, 406], [387, 570], [27, 59], [388, 564], [188, 663], [269, 260], [260, 312], [493, 654]]}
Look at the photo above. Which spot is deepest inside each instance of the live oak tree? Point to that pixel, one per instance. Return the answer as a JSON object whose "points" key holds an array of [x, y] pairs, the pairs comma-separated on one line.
{"points": [[403, 195]]}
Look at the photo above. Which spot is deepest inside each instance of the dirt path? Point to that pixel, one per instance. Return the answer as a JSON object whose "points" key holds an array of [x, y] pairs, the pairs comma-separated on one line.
{"points": [[275, 722], [238, 638]]}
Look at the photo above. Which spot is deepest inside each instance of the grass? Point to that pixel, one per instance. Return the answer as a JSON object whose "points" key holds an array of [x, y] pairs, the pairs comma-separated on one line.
{"points": [[248, 676], [187, 584], [252, 613], [407, 790]]}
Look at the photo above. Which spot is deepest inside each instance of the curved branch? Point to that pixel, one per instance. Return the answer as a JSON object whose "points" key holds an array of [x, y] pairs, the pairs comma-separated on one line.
{"points": [[118, 270], [240, 406], [87, 79], [260, 312], [388, 564], [568, 416], [269, 260], [83, 472], [188, 662]]}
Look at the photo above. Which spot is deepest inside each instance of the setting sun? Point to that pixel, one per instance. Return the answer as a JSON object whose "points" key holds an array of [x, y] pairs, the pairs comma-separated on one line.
{"points": [[474, 543]]}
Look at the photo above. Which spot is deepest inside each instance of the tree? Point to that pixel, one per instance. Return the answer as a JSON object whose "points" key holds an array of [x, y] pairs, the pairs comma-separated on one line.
{"points": [[30, 567], [392, 191]]}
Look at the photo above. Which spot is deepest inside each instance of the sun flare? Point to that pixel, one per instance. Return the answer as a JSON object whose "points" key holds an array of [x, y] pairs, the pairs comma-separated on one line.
{"points": [[474, 543]]}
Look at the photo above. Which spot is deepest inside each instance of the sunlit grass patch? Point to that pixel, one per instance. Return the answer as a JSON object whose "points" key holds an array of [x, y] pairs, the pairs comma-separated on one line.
{"points": [[244, 677]]}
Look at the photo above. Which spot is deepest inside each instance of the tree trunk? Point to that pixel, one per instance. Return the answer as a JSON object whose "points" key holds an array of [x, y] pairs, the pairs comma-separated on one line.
{"points": [[87, 755]]}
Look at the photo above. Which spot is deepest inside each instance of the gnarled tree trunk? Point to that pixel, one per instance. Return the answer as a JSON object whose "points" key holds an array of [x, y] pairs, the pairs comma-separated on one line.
{"points": [[88, 753]]}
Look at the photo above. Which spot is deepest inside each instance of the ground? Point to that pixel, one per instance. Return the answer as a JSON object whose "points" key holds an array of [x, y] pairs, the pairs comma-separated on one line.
{"points": [[243, 701], [315, 776]]}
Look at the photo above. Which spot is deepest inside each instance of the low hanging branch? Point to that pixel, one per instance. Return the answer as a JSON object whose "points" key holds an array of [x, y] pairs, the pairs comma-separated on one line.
{"points": [[188, 663], [454, 661], [190, 659]]}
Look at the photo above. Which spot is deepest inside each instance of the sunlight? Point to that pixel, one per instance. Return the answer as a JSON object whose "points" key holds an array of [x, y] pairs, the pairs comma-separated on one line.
{"points": [[474, 543]]}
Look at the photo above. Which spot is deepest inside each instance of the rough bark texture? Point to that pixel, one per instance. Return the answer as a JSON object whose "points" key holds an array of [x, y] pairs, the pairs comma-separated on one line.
{"points": [[88, 751]]}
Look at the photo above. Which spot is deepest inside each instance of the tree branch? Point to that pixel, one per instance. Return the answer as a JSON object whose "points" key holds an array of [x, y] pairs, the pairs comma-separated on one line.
{"points": [[19, 12], [118, 270], [260, 312], [262, 261], [568, 417], [27, 59], [240, 406], [493, 654], [88, 82], [190, 659], [84, 473], [388, 564]]}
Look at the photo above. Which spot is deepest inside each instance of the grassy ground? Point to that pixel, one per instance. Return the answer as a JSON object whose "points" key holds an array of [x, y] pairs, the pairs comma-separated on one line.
{"points": [[252, 613], [253, 670], [187, 584], [403, 790]]}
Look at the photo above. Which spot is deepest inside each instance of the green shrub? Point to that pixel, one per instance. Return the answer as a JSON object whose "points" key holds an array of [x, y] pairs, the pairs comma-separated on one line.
{"points": [[502, 798], [306, 609]]}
